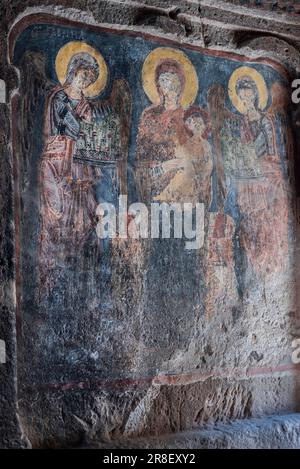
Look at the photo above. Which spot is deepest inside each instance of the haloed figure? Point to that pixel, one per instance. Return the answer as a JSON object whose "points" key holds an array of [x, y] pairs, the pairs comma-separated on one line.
{"points": [[161, 129], [67, 201]]}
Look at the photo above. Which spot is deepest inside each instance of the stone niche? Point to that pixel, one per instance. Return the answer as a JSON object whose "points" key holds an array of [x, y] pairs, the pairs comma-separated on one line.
{"points": [[136, 337]]}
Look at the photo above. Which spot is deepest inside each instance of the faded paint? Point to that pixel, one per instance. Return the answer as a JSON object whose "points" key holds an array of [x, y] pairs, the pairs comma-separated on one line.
{"points": [[214, 133]]}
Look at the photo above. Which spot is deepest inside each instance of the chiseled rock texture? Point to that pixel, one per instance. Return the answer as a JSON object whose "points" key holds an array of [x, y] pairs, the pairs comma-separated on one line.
{"points": [[281, 7], [229, 409], [278, 432]]}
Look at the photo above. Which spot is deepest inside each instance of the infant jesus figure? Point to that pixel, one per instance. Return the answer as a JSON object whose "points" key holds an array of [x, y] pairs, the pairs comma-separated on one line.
{"points": [[193, 162]]}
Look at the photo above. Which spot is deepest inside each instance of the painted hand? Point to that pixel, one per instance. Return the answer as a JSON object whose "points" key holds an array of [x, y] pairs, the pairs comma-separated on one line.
{"points": [[170, 165], [85, 112]]}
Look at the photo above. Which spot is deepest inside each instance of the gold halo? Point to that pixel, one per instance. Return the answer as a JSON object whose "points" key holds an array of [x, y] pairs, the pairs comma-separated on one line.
{"points": [[63, 59], [154, 59], [259, 81]]}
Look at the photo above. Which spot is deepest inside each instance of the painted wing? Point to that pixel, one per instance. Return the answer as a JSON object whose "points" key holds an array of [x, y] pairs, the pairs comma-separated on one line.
{"points": [[121, 103]]}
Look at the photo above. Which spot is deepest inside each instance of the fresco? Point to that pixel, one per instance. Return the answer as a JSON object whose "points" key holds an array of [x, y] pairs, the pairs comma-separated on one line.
{"points": [[130, 115]]}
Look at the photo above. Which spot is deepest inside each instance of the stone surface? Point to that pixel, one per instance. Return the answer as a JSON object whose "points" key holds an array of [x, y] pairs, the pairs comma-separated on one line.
{"points": [[9, 425], [278, 432], [250, 374], [280, 7]]}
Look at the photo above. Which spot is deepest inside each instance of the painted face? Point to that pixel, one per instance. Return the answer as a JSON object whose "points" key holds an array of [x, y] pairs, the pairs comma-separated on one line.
{"points": [[247, 96], [170, 85], [196, 124], [84, 78]]}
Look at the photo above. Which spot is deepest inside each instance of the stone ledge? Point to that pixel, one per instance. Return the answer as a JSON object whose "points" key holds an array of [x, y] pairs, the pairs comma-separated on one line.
{"points": [[274, 432]]}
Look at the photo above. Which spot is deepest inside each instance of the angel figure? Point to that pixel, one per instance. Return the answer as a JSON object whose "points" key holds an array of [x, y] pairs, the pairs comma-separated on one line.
{"points": [[261, 185], [85, 152]]}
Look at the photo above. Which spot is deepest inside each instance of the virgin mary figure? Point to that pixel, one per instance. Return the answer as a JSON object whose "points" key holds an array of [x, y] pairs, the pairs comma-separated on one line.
{"points": [[171, 83]]}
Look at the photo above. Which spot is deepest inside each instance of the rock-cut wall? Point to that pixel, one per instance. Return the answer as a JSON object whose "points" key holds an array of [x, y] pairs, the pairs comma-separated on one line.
{"points": [[148, 219]]}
